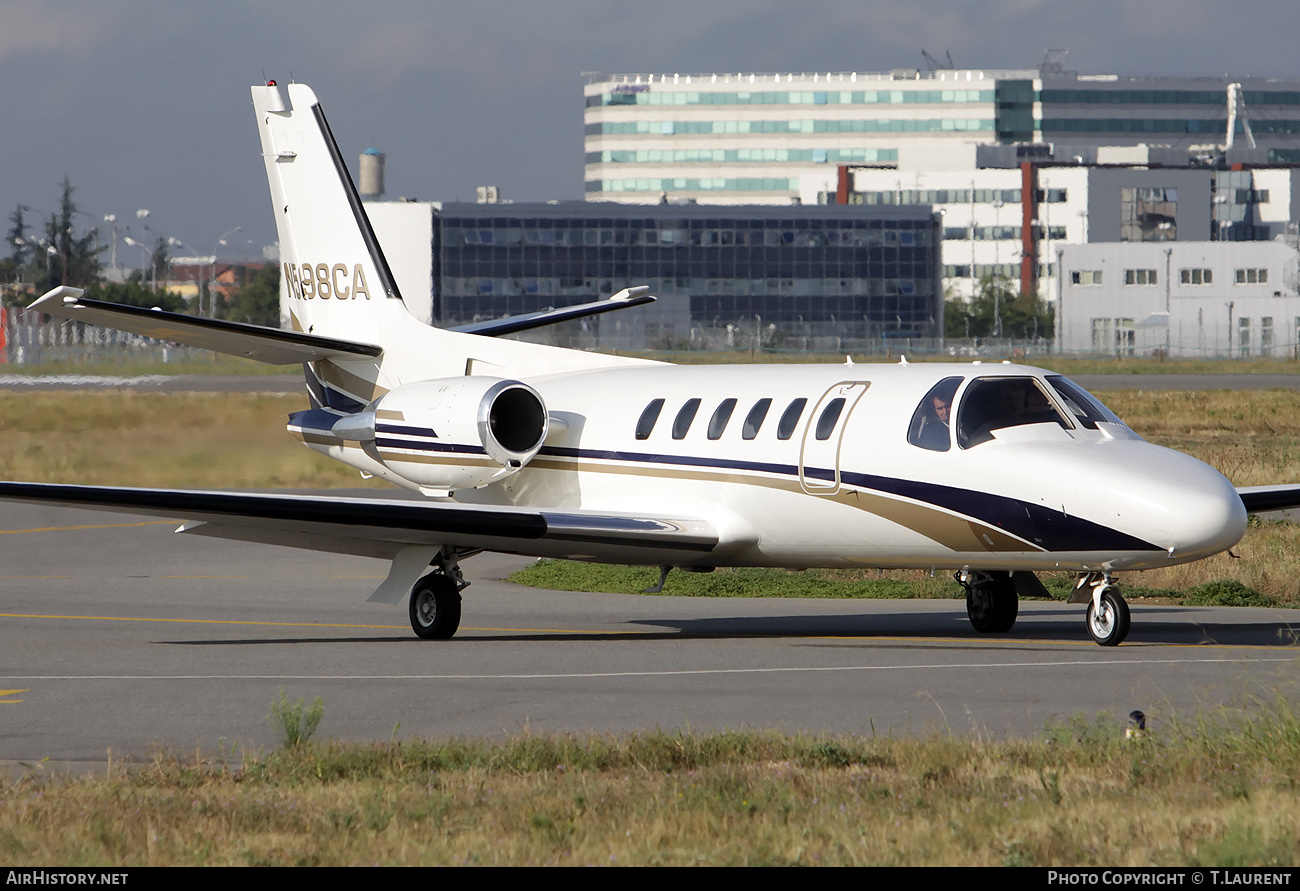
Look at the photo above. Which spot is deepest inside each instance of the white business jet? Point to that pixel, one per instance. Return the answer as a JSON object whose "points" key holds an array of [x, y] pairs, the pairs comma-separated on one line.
{"points": [[992, 472]]}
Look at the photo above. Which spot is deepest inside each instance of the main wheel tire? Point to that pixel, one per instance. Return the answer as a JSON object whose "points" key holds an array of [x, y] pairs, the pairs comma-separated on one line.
{"points": [[435, 607], [992, 604], [1109, 625]]}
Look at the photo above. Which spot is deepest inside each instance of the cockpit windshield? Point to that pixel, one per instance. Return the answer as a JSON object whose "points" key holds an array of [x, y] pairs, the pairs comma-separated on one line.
{"points": [[1082, 405], [994, 403]]}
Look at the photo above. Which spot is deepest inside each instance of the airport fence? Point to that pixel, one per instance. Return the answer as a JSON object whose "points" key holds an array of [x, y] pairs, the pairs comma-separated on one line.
{"points": [[32, 338]]}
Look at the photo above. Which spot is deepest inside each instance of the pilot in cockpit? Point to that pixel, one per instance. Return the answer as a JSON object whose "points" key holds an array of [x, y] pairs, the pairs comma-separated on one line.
{"points": [[929, 428]]}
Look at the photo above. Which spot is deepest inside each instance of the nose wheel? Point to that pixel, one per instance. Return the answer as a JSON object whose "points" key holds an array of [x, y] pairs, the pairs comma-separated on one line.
{"points": [[1108, 617]]}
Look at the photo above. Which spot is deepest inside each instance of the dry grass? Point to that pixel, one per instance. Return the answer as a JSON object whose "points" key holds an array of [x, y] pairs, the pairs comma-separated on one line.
{"points": [[1209, 795], [123, 437]]}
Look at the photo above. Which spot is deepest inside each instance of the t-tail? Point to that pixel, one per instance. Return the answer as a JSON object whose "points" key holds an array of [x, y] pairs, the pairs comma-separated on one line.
{"points": [[333, 270], [338, 283]]}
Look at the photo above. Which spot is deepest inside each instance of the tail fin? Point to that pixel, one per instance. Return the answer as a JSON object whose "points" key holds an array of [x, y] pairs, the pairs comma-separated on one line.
{"points": [[336, 275], [340, 286]]}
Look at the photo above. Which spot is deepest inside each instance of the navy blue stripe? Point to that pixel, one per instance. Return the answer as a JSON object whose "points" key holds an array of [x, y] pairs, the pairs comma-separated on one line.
{"points": [[408, 431], [1044, 527], [315, 419], [327, 395], [421, 446], [315, 393]]}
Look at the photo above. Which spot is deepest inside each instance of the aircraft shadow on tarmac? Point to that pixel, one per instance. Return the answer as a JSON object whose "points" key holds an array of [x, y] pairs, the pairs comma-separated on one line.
{"points": [[1152, 626]]}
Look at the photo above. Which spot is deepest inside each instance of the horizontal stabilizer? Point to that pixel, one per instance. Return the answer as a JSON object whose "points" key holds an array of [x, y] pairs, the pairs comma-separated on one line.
{"points": [[624, 299], [270, 345], [382, 527]]}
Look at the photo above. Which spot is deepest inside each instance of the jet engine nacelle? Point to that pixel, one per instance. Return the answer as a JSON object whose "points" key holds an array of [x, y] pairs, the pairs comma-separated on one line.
{"points": [[454, 433]]}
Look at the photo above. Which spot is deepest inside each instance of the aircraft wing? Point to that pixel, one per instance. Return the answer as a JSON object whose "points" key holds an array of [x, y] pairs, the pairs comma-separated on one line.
{"points": [[384, 527], [270, 345], [1259, 499]]}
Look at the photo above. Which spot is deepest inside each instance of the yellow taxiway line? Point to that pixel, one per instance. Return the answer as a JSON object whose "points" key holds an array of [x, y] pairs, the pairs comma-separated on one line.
{"points": [[91, 526]]}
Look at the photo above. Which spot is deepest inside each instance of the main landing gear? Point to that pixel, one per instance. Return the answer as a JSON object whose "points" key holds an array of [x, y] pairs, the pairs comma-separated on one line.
{"points": [[991, 600], [435, 601], [1108, 613]]}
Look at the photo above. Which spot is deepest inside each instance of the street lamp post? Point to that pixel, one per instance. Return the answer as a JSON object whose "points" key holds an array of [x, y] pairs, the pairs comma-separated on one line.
{"points": [[143, 252]]}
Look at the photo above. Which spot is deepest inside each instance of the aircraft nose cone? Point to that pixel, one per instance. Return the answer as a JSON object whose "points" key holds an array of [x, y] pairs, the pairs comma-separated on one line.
{"points": [[1209, 514], [1175, 502]]}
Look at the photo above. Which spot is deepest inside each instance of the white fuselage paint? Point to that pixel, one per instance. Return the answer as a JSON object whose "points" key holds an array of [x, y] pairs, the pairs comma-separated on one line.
{"points": [[1036, 497], [1083, 496]]}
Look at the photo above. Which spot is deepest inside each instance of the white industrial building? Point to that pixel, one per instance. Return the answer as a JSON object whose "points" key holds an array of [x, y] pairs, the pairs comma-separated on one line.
{"points": [[1181, 299], [998, 212]]}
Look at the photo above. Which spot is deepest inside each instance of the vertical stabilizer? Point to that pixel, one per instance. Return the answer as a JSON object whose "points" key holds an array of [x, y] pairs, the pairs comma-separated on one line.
{"points": [[337, 279], [338, 284]]}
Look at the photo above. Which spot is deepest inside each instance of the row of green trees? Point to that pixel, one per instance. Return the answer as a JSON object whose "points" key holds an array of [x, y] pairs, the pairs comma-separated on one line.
{"points": [[998, 309], [57, 253]]}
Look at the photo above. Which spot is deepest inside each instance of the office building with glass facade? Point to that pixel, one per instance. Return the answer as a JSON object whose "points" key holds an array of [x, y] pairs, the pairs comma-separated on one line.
{"points": [[856, 271], [774, 138]]}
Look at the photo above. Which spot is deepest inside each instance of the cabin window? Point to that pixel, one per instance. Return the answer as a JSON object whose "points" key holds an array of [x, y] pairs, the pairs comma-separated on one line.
{"points": [[1081, 404], [995, 403], [790, 418], [685, 417], [648, 418], [718, 422], [930, 421], [830, 417], [754, 420]]}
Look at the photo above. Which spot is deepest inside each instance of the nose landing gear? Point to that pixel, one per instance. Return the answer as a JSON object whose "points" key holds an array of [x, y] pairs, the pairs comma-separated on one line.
{"points": [[1108, 613]]}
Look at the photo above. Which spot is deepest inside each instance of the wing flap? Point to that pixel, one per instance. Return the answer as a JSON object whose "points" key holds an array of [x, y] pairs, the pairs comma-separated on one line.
{"points": [[270, 345], [381, 527]]}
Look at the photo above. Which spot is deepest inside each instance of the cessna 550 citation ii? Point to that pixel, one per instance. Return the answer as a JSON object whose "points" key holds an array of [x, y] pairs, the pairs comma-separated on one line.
{"points": [[989, 471]]}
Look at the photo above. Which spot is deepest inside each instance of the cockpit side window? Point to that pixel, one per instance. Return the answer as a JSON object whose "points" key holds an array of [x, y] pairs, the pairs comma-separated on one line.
{"points": [[648, 418], [995, 403], [929, 427], [1082, 405]]}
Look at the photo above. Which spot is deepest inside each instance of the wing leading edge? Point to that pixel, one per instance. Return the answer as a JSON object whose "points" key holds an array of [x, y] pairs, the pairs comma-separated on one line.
{"points": [[270, 345], [384, 527]]}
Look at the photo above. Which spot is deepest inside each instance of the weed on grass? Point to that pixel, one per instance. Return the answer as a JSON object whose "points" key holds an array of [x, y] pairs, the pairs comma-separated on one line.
{"points": [[295, 723]]}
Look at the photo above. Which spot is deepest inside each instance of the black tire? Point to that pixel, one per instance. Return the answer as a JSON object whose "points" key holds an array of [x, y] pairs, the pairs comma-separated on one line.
{"points": [[1110, 626], [992, 604], [435, 607]]}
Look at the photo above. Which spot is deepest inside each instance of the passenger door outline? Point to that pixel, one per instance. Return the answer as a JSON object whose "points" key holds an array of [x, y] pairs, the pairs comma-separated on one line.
{"points": [[826, 453]]}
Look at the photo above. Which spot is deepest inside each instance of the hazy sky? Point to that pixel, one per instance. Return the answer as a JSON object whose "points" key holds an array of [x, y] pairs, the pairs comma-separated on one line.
{"points": [[144, 103]]}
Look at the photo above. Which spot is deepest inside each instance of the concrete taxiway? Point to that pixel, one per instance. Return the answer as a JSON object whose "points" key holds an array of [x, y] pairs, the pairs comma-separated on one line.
{"points": [[116, 634]]}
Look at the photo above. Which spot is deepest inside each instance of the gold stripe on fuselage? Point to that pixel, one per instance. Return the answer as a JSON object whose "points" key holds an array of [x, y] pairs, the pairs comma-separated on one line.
{"points": [[953, 531]]}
